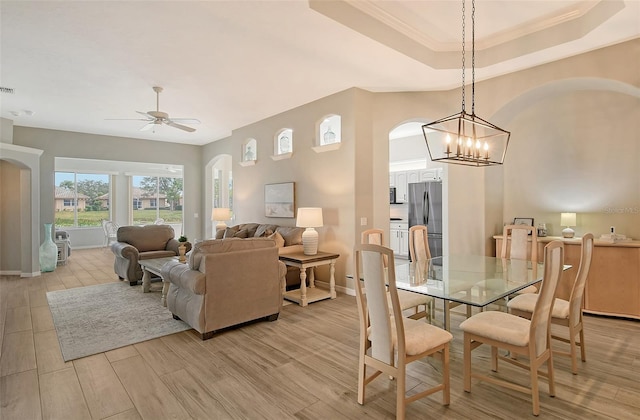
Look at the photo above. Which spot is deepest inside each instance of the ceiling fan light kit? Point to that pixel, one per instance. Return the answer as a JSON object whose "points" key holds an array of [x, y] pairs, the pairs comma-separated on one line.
{"points": [[463, 138], [157, 117]]}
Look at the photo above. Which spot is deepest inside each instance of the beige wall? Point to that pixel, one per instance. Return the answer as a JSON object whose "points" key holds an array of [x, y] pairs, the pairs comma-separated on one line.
{"points": [[321, 179], [574, 147], [544, 117], [574, 122], [10, 215], [90, 146]]}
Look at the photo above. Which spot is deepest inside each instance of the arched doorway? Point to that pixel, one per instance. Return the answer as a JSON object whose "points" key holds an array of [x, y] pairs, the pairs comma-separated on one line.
{"points": [[219, 184], [409, 168], [20, 214]]}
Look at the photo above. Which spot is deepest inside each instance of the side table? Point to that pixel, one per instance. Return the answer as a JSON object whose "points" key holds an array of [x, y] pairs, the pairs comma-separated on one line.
{"points": [[304, 296]]}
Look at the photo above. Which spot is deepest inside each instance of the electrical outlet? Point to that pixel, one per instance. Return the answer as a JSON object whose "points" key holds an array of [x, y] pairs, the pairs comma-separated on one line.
{"points": [[363, 221], [613, 229], [195, 215]]}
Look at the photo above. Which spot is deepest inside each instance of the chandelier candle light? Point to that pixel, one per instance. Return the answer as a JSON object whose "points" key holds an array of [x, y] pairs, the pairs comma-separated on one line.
{"points": [[568, 220], [309, 218], [219, 215], [462, 138]]}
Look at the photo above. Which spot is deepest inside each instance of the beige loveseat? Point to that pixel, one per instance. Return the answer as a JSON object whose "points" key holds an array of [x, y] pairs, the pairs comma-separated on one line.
{"points": [[288, 240], [135, 243], [226, 282]]}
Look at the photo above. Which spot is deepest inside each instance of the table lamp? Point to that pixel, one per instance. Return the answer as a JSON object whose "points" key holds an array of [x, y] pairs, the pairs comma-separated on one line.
{"points": [[568, 220], [219, 215], [309, 218]]}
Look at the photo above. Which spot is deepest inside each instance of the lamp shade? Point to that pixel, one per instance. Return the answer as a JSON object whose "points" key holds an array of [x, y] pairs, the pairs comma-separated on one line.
{"points": [[309, 217], [567, 219], [221, 213]]}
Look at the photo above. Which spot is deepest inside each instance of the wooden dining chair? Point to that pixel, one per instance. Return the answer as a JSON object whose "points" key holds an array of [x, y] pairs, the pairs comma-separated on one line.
{"points": [[517, 335], [408, 300], [419, 251], [389, 341], [565, 313], [418, 243], [516, 245]]}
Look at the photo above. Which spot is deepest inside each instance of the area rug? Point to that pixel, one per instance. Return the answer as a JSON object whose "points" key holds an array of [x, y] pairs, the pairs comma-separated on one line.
{"points": [[95, 319]]}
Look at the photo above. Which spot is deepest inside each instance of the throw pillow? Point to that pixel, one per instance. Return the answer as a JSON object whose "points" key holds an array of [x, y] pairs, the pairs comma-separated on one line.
{"points": [[278, 238], [230, 231], [242, 233]]}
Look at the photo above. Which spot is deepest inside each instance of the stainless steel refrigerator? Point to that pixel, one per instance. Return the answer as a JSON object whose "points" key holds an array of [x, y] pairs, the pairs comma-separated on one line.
{"points": [[425, 208]]}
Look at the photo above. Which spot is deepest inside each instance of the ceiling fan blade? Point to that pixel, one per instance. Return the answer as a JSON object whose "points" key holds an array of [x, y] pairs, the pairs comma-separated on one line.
{"points": [[186, 120], [148, 126], [150, 117], [126, 119], [179, 126]]}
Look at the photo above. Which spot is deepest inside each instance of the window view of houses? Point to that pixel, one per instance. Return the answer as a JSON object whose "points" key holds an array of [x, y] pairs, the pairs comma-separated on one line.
{"points": [[83, 200]]}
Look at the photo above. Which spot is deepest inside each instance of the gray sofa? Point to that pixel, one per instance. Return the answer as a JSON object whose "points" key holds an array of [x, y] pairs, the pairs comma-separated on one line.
{"points": [[226, 282], [135, 243], [289, 241]]}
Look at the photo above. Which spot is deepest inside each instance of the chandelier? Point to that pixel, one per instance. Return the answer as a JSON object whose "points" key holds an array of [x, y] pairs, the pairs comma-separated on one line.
{"points": [[463, 138]]}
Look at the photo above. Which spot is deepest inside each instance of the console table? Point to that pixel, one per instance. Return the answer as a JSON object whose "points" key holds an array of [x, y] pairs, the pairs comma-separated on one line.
{"points": [[613, 283], [304, 296]]}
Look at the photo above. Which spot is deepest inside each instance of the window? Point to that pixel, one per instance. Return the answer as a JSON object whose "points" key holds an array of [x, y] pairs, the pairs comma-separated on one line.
{"points": [[284, 141], [81, 199], [329, 130], [250, 150], [156, 197]]}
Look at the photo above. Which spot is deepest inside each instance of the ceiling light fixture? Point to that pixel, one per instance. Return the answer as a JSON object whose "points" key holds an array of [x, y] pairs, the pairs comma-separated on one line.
{"points": [[462, 138]]}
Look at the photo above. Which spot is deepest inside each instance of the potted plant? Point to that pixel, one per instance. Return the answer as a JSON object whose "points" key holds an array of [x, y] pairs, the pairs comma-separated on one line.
{"points": [[182, 248]]}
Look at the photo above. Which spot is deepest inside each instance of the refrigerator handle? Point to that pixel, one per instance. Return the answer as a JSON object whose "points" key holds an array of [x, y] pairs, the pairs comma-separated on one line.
{"points": [[425, 202]]}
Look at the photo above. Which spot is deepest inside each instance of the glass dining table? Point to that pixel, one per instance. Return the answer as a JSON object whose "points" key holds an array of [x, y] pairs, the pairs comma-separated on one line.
{"points": [[467, 279]]}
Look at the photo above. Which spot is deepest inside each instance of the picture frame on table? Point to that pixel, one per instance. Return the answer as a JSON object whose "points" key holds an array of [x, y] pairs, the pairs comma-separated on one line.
{"points": [[527, 221], [279, 200]]}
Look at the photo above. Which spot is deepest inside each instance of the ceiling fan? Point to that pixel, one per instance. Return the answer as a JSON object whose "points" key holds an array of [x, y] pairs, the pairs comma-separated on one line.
{"points": [[157, 117]]}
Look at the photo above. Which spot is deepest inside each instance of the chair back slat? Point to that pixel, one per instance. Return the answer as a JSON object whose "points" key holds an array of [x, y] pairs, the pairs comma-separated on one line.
{"points": [[371, 269], [515, 240], [577, 293], [373, 236], [541, 317], [418, 243]]}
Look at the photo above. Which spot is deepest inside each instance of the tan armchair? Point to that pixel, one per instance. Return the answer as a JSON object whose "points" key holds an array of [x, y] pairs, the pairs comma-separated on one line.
{"points": [[226, 282], [135, 243]]}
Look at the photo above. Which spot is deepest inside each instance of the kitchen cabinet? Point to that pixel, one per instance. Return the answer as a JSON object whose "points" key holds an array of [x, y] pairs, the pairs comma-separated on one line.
{"points": [[401, 187], [399, 239], [401, 179], [430, 175]]}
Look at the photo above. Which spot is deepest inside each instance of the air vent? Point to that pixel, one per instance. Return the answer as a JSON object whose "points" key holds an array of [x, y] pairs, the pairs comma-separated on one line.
{"points": [[6, 90]]}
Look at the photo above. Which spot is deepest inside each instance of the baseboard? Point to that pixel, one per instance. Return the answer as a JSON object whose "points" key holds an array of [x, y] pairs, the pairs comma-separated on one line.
{"points": [[10, 273], [339, 289]]}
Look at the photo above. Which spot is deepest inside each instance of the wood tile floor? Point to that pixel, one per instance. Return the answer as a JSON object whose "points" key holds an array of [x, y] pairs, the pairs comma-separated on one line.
{"points": [[303, 366]]}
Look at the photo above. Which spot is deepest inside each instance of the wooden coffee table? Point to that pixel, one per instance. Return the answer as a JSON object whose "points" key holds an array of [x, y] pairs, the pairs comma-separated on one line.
{"points": [[154, 266], [304, 296]]}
